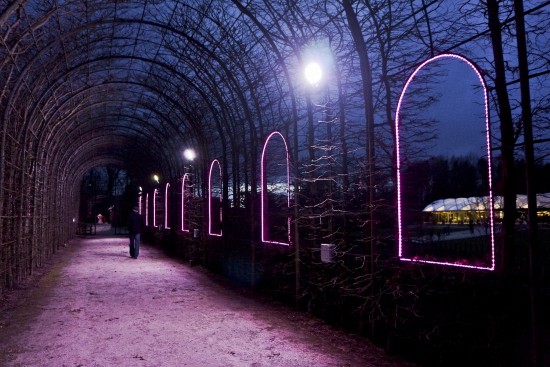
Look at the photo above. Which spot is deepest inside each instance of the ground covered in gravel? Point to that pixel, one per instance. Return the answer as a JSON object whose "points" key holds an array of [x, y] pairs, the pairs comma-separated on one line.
{"points": [[93, 305]]}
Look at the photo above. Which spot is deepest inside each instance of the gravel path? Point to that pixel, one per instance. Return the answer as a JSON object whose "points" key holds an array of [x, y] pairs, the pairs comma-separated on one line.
{"points": [[93, 305]]}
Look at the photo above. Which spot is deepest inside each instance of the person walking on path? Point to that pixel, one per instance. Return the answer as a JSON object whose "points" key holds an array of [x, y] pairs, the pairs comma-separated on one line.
{"points": [[135, 225]]}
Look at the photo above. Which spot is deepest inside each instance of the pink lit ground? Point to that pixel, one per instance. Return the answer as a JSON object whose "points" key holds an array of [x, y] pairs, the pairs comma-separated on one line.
{"points": [[95, 306]]}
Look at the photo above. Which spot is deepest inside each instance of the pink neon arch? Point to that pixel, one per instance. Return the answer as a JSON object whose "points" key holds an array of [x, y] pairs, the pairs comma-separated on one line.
{"points": [[488, 140], [147, 209], [210, 214], [265, 230], [166, 209], [155, 194], [184, 194]]}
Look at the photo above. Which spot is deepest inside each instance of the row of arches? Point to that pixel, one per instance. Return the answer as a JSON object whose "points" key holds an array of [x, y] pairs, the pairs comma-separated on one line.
{"points": [[270, 220], [275, 181]]}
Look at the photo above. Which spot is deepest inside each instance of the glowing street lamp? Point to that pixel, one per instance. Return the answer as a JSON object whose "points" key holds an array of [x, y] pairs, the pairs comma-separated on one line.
{"points": [[187, 189], [156, 178], [189, 154], [313, 73]]}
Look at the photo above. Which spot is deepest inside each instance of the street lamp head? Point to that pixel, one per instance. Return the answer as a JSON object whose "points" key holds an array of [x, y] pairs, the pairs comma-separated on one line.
{"points": [[189, 154], [156, 178], [313, 73]]}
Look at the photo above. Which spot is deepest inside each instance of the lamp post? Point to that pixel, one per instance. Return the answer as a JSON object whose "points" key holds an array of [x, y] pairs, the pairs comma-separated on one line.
{"points": [[314, 74], [156, 180], [189, 154]]}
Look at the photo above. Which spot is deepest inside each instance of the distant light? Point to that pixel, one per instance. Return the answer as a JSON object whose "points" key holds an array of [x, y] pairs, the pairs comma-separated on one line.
{"points": [[189, 154], [313, 73], [156, 178]]}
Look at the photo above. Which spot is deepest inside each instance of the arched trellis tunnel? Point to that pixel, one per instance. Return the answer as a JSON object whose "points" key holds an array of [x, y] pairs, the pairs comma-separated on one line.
{"points": [[130, 85]]}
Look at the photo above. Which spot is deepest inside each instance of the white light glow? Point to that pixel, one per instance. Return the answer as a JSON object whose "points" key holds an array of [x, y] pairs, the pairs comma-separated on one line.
{"points": [[313, 73], [189, 154]]}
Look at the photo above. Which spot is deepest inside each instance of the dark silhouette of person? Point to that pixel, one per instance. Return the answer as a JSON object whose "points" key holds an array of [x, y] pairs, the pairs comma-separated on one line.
{"points": [[135, 226]]}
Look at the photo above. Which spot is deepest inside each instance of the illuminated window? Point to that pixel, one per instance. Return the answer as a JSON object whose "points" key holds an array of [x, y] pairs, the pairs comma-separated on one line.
{"points": [[166, 208], [147, 209], [404, 241], [275, 220], [185, 200], [155, 194], [215, 199]]}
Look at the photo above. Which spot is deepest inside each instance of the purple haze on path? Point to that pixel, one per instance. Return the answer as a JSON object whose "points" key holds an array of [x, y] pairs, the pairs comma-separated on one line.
{"points": [[96, 306]]}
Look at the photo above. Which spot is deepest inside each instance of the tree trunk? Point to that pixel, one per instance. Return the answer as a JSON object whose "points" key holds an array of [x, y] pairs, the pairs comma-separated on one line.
{"points": [[507, 140], [530, 179]]}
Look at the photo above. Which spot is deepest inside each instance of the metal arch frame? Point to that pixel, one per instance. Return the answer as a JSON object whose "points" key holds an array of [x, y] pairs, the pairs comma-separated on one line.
{"points": [[75, 124], [90, 127], [75, 175], [81, 163], [196, 43], [265, 237], [154, 24], [84, 161], [155, 61], [210, 214], [397, 122], [142, 59], [84, 153], [118, 21], [166, 207], [77, 144], [75, 119], [197, 131], [236, 89], [82, 92], [183, 211]]}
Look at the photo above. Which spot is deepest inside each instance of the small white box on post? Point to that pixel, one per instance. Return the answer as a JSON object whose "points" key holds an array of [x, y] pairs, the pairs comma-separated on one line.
{"points": [[327, 252]]}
